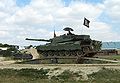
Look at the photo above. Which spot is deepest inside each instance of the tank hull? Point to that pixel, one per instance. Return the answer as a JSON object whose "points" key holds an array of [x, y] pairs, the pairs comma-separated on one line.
{"points": [[66, 51]]}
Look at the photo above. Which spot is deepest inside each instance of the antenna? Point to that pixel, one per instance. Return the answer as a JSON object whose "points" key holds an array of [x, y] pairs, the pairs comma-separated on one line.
{"points": [[54, 34]]}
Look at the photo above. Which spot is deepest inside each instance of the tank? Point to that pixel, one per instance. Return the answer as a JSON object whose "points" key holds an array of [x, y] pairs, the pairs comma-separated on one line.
{"points": [[68, 46]]}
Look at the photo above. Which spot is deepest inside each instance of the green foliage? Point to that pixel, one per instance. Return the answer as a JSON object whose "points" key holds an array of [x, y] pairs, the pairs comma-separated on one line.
{"points": [[4, 45], [31, 73], [67, 76], [34, 73], [106, 76], [7, 72], [95, 62], [40, 76], [57, 68], [6, 53], [10, 50], [111, 57], [28, 47]]}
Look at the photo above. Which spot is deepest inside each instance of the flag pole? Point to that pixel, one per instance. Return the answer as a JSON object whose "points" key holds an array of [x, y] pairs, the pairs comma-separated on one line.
{"points": [[82, 30], [54, 32]]}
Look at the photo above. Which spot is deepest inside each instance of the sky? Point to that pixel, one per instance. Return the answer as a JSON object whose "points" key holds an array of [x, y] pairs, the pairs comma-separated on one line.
{"points": [[20, 19]]}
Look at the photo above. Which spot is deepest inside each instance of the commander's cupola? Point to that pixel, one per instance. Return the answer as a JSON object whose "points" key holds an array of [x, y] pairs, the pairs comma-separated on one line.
{"points": [[69, 30]]}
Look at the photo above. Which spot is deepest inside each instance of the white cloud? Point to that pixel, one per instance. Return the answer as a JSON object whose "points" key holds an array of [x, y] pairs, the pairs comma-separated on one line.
{"points": [[113, 9], [103, 31], [37, 20], [3, 34], [87, 10], [8, 6], [45, 11]]}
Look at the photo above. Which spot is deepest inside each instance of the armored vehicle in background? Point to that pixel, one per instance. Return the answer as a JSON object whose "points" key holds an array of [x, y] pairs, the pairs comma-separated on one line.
{"points": [[68, 46]]}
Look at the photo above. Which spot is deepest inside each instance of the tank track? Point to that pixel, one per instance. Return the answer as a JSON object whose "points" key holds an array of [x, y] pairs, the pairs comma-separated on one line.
{"points": [[78, 55], [63, 53]]}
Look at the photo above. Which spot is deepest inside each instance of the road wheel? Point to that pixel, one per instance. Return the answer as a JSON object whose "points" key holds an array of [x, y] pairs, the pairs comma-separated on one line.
{"points": [[56, 53], [78, 53], [67, 53], [61, 53], [73, 53], [50, 53], [86, 49], [45, 54]]}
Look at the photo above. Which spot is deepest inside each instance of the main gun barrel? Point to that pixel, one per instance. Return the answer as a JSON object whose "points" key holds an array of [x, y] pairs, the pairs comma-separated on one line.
{"points": [[38, 40]]}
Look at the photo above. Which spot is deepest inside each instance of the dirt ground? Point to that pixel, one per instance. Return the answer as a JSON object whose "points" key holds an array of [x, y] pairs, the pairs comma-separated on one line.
{"points": [[85, 69]]}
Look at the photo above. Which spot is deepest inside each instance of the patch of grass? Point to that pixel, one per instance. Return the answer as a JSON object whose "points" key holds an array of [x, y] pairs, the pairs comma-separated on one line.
{"points": [[35, 76], [31, 73], [111, 57], [57, 68], [40, 76], [67, 76], [95, 62], [105, 76]]}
